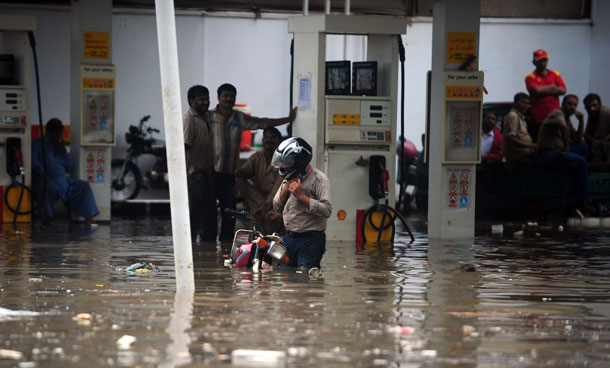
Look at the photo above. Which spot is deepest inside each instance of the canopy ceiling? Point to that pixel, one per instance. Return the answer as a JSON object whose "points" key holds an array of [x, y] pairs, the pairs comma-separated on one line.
{"points": [[570, 9]]}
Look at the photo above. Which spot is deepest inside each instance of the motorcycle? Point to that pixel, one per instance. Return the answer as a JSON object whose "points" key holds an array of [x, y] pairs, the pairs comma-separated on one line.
{"points": [[127, 179], [253, 249]]}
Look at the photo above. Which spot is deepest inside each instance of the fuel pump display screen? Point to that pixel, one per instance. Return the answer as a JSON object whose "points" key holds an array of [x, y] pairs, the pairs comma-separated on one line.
{"points": [[463, 131]]}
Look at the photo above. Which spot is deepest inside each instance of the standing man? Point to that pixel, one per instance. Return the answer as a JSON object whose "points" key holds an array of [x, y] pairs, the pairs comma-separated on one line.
{"points": [[577, 144], [200, 165], [597, 133], [257, 181], [491, 139], [517, 144], [304, 200], [554, 148], [227, 125], [545, 86]]}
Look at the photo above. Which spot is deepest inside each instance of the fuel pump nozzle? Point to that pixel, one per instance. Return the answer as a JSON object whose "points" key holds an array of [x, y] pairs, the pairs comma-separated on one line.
{"points": [[384, 177], [14, 158]]}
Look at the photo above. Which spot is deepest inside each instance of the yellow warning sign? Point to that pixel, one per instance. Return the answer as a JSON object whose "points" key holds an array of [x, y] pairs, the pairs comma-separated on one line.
{"points": [[96, 45], [460, 45]]}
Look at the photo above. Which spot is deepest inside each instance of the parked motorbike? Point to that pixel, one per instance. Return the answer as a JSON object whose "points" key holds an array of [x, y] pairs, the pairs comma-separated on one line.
{"points": [[126, 176], [253, 249]]}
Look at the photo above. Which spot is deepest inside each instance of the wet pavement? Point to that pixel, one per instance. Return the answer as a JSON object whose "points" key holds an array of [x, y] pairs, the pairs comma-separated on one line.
{"points": [[538, 301]]}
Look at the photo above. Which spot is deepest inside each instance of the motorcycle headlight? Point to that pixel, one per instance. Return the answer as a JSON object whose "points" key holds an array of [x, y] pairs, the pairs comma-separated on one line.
{"points": [[276, 250]]}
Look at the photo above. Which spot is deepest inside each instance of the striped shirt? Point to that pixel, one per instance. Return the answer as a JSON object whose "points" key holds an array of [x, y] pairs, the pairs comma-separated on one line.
{"points": [[226, 137]]}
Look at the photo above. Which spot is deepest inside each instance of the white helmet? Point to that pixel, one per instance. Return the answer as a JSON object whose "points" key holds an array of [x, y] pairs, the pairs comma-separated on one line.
{"points": [[292, 156]]}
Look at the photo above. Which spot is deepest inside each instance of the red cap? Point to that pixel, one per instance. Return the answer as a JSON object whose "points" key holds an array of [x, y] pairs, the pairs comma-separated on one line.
{"points": [[540, 54]]}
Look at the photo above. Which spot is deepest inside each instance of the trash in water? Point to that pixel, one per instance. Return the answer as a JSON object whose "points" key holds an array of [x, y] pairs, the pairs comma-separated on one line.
{"points": [[560, 228], [258, 358], [497, 229], [400, 330], [467, 330], [518, 234], [10, 354], [125, 342], [468, 267], [4, 313], [83, 316], [142, 268]]}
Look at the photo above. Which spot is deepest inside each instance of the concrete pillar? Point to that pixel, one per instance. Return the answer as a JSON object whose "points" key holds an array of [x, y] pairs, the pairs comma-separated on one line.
{"points": [[92, 19], [450, 16], [600, 50]]}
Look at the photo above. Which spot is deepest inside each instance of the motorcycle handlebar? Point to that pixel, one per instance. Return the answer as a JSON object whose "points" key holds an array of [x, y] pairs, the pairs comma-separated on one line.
{"points": [[145, 118], [239, 214]]}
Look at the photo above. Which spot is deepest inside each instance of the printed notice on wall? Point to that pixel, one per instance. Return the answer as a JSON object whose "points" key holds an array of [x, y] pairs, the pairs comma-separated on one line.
{"points": [[95, 160], [458, 196], [460, 45], [304, 93], [96, 45], [97, 105]]}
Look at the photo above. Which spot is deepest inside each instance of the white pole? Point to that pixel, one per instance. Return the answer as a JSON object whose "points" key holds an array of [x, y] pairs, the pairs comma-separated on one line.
{"points": [[348, 7], [305, 7], [327, 7], [172, 113]]}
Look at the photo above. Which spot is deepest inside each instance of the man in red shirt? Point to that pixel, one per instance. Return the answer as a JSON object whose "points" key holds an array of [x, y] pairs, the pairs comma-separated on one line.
{"points": [[545, 86]]}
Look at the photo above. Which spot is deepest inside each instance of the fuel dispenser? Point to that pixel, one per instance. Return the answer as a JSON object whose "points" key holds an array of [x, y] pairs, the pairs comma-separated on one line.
{"points": [[15, 141], [347, 128]]}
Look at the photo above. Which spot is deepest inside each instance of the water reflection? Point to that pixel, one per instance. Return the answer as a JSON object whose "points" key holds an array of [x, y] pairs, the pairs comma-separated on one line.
{"points": [[543, 300]]}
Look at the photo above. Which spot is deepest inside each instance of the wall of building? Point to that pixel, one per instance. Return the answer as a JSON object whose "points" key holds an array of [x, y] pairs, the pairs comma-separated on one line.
{"points": [[254, 55]]}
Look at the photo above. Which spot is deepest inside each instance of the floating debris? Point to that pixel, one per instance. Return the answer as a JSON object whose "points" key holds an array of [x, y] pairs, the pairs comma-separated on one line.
{"points": [[497, 229], [83, 316], [125, 341], [258, 358], [142, 268], [4, 313], [10, 354]]}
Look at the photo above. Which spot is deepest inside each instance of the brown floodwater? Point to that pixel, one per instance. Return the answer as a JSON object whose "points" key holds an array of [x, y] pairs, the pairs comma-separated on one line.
{"points": [[538, 301]]}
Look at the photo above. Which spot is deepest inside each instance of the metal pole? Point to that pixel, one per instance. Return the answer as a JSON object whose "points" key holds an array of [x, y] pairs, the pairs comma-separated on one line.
{"points": [[327, 7], [348, 7], [172, 113], [305, 7]]}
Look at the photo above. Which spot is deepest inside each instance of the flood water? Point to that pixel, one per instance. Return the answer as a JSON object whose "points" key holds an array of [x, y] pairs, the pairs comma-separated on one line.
{"points": [[539, 301]]}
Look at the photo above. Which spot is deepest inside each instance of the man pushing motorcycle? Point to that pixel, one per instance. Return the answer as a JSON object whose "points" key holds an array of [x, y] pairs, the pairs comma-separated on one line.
{"points": [[304, 201]]}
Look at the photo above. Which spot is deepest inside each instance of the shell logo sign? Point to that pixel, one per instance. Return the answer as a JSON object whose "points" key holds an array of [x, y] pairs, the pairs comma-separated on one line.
{"points": [[341, 215]]}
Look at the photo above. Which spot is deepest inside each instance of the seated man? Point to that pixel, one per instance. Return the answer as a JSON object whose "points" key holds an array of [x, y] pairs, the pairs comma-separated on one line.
{"points": [[491, 139], [554, 148], [577, 144], [518, 146], [257, 181], [597, 133], [76, 193]]}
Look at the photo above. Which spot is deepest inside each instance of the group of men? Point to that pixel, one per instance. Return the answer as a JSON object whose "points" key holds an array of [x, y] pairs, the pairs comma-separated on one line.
{"points": [[281, 189], [539, 128]]}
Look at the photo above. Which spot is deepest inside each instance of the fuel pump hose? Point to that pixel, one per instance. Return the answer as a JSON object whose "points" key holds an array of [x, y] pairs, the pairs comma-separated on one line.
{"points": [[17, 211], [388, 212]]}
